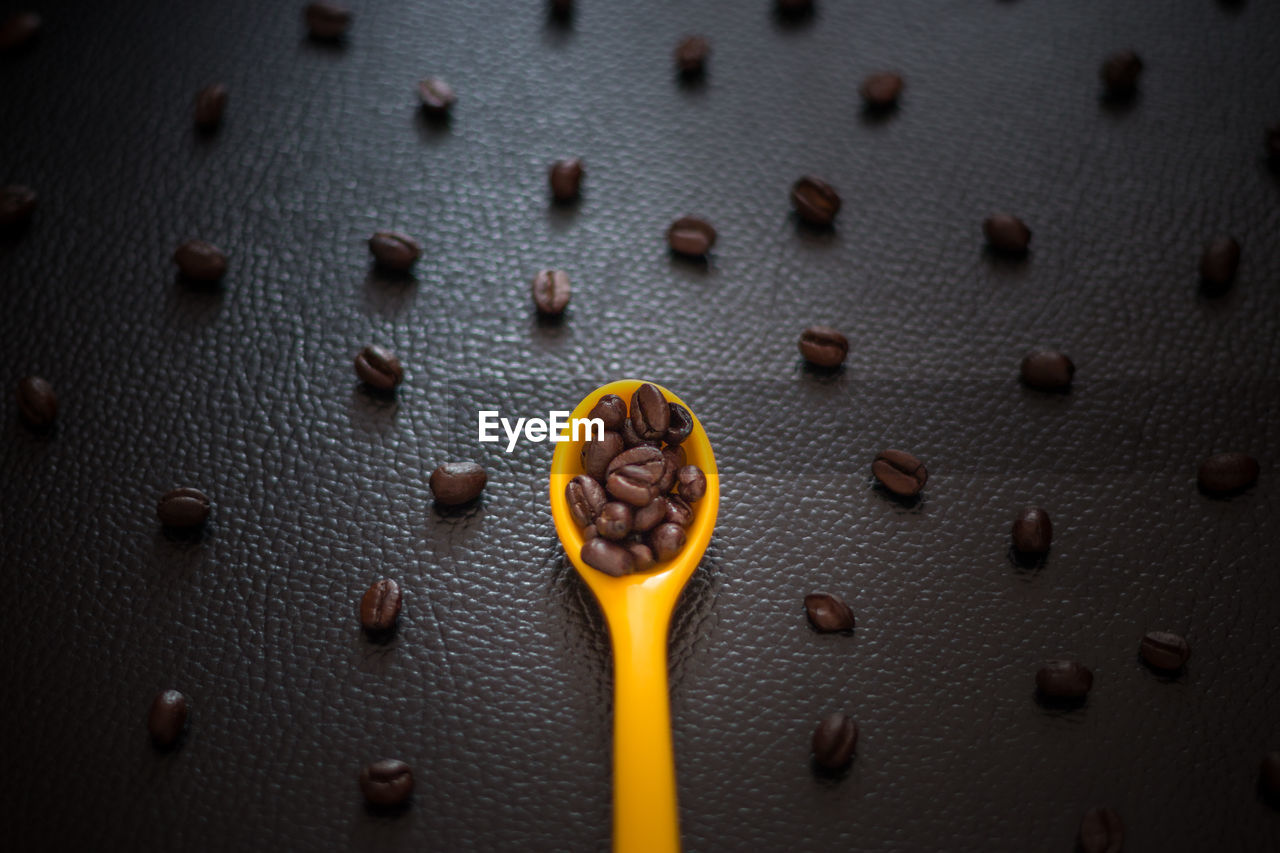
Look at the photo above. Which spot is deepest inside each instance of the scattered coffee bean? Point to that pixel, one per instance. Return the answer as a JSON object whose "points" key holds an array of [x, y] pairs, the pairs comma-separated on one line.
{"points": [[608, 557], [650, 515], [900, 472], [211, 103], [17, 204], [1032, 531], [394, 251], [881, 91], [19, 30], [823, 346], [642, 556], [643, 455], [614, 520], [597, 454], [1007, 234], [1219, 262], [834, 741], [679, 426], [437, 96], [551, 292], [36, 402], [650, 413], [691, 236], [379, 368], [168, 717], [327, 21], [1047, 370], [1120, 72], [380, 606], [1227, 473], [1064, 679], [1163, 650], [585, 497], [678, 512], [1101, 832], [457, 483], [667, 540], [387, 782], [611, 409], [1269, 776], [828, 613], [634, 484], [691, 55], [691, 483], [200, 261], [183, 508], [815, 201], [566, 180]]}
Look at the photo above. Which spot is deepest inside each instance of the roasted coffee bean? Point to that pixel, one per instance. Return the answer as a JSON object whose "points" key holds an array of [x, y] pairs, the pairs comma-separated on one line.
{"points": [[36, 402], [327, 21], [828, 612], [379, 368], [211, 103], [1007, 234], [642, 555], [18, 30], [689, 235], [666, 540], [881, 91], [589, 532], [394, 251], [900, 472], [1100, 832], [457, 483], [670, 468], [608, 557], [643, 454], [834, 741], [1032, 531], [566, 180], [596, 455], [387, 782], [380, 606], [615, 520], [691, 55], [1219, 262], [631, 438], [680, 425], [1064, 679], [183, 507], [1269, 776], [1163, 650], [1120, 72], [17, 204], [650, 515], [200, 261], [815, 201], [676, 454], [437, 96], [1047, 370], [650, 412], [611, 409], [551, 292], [691, 483], [634, 484], [1226, 473], [678, 512], [823, 346], [585, 497], [168, 717]]}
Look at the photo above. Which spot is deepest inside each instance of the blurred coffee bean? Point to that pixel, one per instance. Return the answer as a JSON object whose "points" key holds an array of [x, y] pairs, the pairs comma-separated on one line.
{"points": [[899, 472], [1032, 531], [437, 96], [880, 91], [650, 413], [457, 483], [1120, 72], [17, 204], [1007, 234], [597, 454], [614, 520], [828, 612], [1227, 473], [167, 718], [585, 497], [834, 741], [386, 783], [680, 425], [379, 368], [691, 483], [1163, 650], [691, 56], [37, 403], [394, 251], [1047, 370], [200, 261], [183, 508], [823, 346], [380, 606], [1100, 832], [551, 292], [815, 201], [691, 236], [667, 540], [565, 178], [211, 103], [611, 409], [608, 557], [327, 21], [1219, 262], [1064, 679]]}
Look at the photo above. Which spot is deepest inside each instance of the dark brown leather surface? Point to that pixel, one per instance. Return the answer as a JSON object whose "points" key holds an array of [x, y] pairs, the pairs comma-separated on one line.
{"points": [[497, 686]]}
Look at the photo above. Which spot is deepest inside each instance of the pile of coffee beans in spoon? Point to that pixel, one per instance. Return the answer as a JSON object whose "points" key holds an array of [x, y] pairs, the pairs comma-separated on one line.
{"points": [[634, 500]]}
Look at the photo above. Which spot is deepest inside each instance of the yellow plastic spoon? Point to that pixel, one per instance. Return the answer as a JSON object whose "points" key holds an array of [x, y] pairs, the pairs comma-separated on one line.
{"points": [[638, 609]]}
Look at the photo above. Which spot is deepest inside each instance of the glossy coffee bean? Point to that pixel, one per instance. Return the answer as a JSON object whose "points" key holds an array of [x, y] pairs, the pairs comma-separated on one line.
{"points": [[1227, 473], [650, 515], [168, 717], [1120, 73], [183, 508], [632, 439], [900, 472], [551, 292], [1032, 531], [585, 497], [691, 236], [614, 520], [1269, 777], [673, 456], [327, 21], [641, 454], [1219, 262], [380, 606], [827, 612], [608, 557], [379, 368], [650, 413], [1047, 370], [386, 783], [589, 532], [691, 55], [881, 91], [200, 261], [1163, 650], [1064, 679], [834, 741], [211, 104], [457, 483], [823, 346], [394, 251], [437, 96], [36, 402], [1100, 832], [1007, 234], [691, 483], [667, 540], [642, 556], [815, 201], [565, 178], [611, 409], [679, 426], [634, 484], [19, 30], [17, 204], [678, 512], [669, 470], [596, 455]]}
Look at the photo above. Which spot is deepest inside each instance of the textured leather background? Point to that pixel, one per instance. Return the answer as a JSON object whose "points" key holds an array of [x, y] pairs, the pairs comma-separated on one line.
{"points": [[497, 686]]}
